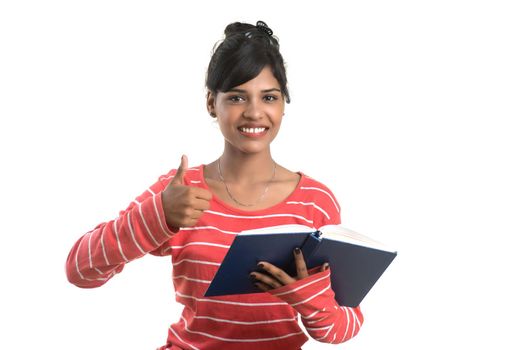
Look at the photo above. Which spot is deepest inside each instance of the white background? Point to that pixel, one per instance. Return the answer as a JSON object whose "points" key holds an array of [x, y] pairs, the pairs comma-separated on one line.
{"points": [[411, 111]]}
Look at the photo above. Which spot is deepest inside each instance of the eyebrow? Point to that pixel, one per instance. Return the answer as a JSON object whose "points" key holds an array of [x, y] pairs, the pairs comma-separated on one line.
{"points": [[245, 91]]}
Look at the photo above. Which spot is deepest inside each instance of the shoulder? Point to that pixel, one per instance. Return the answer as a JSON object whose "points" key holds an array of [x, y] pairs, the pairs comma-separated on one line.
{"points": [[314, 191], [309, 187]]}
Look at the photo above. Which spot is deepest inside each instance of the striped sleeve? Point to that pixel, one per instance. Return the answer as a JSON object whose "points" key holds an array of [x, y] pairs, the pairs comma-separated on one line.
{"points": [[324, 320], [101, 253]]}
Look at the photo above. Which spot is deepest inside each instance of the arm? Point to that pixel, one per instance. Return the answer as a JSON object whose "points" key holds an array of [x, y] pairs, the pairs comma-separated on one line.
{"points": [[101, 253], [312, 297], [149, 221], [324, 320]]}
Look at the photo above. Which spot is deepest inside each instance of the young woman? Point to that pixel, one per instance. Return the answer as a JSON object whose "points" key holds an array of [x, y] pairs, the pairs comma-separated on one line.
{"points": [[193, 213]]}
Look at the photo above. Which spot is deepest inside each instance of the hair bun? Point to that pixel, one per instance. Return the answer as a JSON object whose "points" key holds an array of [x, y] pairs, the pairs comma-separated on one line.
{"points": [[237, 27]]}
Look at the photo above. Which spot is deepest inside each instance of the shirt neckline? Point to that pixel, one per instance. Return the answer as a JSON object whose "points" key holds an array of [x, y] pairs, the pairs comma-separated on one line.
{"points": [[249, 212]]}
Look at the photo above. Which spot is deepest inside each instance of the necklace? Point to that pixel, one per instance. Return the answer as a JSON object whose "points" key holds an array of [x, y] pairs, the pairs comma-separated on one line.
{"points": [[259, 198]]}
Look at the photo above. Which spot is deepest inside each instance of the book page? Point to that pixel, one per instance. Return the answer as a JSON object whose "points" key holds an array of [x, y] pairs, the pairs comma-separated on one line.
{"points": [[340, 233], [291, 228]]}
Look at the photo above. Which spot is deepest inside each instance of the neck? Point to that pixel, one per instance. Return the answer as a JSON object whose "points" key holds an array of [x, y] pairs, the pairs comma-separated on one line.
{"points": [[241, 167]]}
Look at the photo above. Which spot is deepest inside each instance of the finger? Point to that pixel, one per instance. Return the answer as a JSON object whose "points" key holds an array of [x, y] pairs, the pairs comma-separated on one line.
{"points": [[262, 286], [179, 176], [324, 267], [300, 264], [202, 193], [188, 222], [280, 275], [265, 279], [195, 214], [200, 204]]}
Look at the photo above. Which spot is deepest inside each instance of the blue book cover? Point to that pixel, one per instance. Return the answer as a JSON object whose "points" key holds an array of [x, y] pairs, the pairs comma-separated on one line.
{"points": [[356, 261]]}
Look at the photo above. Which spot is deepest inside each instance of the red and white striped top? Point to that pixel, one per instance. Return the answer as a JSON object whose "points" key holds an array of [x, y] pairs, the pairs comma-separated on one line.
{"points": [[258, 321]]}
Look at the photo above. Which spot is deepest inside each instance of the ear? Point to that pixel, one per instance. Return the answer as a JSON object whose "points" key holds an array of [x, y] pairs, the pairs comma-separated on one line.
{"points": [[210, 103]]}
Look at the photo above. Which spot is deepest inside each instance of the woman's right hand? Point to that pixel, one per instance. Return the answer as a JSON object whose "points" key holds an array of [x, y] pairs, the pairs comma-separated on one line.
{"points": [[183, 205]]}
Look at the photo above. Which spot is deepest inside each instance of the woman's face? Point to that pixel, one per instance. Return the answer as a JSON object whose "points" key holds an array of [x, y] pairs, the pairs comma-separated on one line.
{"points": [[249, 115]]}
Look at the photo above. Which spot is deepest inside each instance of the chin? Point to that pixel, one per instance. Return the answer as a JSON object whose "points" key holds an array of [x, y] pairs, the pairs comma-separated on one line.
{"points": [[254, 150], [251, 148]]}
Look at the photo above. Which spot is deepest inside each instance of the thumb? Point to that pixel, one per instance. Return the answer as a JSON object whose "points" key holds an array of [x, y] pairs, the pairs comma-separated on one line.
{"points": [[179, 176]]}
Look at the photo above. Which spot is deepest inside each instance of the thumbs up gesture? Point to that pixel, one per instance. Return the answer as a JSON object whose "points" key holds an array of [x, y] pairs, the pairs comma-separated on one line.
{"points": [[183, 205]]}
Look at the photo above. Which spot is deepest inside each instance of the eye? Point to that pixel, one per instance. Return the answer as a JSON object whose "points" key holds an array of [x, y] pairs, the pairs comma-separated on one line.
{"points": [[235, 98], [270, 98]]}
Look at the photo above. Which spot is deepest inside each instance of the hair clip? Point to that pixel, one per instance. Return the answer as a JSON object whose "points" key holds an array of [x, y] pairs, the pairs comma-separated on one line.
{"points": [[262, 26]]}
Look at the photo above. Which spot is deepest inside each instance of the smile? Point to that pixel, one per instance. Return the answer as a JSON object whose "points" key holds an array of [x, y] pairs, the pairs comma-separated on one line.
{"points": [[252, 130]]}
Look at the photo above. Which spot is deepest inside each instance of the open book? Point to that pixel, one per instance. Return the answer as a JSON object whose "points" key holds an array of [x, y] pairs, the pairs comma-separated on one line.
{"points": [[356, 261]]}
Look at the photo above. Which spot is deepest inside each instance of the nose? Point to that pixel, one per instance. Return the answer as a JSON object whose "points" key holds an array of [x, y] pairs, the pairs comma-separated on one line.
{"points": [[254, 110]]}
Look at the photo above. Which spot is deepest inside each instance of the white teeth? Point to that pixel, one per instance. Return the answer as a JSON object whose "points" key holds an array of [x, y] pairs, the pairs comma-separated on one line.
{"points": [[252, 130]]}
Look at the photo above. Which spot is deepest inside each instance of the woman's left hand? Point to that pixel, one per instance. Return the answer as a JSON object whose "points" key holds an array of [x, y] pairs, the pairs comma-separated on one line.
{"points": [[275, 277]]}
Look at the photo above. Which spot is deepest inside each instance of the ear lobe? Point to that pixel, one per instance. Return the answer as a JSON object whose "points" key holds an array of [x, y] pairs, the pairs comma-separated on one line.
{"points": [[211, 104]]}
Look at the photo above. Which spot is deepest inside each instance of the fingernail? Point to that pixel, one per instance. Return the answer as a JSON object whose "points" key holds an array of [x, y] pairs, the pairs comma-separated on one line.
{"points": [[252, 276], [260, 265], [297, 250], [326, 266]]}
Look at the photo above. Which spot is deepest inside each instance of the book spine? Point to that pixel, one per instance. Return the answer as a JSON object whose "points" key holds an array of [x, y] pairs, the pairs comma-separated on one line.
{"points": [[311, 245]]}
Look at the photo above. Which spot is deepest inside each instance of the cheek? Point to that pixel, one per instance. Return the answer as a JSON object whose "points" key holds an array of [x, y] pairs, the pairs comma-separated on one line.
{"points": [[276, 128], [277, 121], [226, 125], [228, 114]]}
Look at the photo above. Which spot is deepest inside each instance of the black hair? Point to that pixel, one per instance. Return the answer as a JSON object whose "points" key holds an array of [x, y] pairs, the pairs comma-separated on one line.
{"points": [[242, 55]]}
